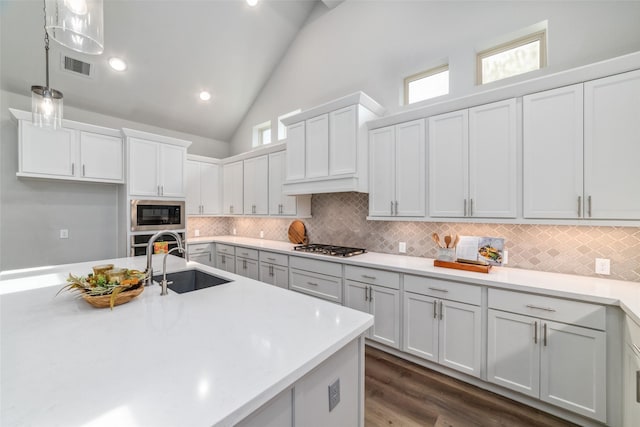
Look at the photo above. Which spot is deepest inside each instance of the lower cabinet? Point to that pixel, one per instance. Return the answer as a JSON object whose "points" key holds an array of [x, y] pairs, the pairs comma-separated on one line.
{"points": [[247, 263], [381, 300], [274, 269], [322, 279], [226, 257], [558, 363], [440, 329], [202, 253], [631, 374]]}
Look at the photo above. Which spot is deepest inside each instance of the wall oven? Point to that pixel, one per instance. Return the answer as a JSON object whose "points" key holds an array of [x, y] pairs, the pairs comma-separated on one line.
{"points": [[155, 215]]}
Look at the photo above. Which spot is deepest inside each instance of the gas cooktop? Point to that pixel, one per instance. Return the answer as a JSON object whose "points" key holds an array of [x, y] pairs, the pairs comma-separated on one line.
{"points": [[330, 250]]}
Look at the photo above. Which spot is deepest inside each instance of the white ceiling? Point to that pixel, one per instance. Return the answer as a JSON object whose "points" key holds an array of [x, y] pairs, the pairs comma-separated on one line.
{"points": [[174, 50]]}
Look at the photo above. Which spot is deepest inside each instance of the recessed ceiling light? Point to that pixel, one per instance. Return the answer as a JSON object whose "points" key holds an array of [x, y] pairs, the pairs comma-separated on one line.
{"points": [[117, 64], [205, 96], [252, 2]]}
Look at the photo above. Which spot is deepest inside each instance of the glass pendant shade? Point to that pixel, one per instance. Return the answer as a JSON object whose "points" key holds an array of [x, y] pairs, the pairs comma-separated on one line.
{"points": [[76, 24], [46, 107]]}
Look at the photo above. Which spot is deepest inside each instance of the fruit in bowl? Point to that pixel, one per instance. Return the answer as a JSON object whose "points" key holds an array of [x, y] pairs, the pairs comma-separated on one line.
{"points": [[108, 289]]}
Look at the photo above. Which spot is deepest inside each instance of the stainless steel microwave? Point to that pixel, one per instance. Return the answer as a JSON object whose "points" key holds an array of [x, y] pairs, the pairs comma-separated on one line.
{"points": [[149, 215]]}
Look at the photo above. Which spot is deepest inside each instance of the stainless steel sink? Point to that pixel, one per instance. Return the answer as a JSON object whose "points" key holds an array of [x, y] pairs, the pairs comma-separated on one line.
{"points": [[191, 280]]}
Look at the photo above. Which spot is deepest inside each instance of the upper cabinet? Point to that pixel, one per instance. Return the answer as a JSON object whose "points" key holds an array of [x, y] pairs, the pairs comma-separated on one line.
{"points": [[156, 165], [397, 170], [279, 203], [203, 186], [232, 188], [256, 186], [473, 162], [78, 151], [581, 141], [327, 146]]}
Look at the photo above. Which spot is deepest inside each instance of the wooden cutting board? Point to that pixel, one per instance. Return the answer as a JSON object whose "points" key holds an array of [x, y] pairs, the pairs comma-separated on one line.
{"points": [[298, 233]]}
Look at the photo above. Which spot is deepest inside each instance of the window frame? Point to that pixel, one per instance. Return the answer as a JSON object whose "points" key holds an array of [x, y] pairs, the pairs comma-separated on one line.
{"points": [[419, 76], [258, 134], [282, 128], [540, 36]]}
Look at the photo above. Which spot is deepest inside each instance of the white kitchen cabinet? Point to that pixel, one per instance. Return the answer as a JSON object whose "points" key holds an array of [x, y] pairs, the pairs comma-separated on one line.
{"points": [[203, 188], [156, 169], [397, 170], [279, 203], [442, 330], [321, 279], [473, 162], [232, 188], [274, 269], [611, 148], [202, 253], [226, 257], [327, 146], [631, 373], [256, 185], [375, 292], [553, 153], [247, 262], [559, 363], [70, 153]]}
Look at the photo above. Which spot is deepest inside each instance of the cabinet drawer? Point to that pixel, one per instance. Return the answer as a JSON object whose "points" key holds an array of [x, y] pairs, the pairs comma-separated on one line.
{"points": [[317, 266], [446, 289], [247, 253], [225, 249], [274, 258], [194, 248], [318, 285], [372, 276], [544, 307]]}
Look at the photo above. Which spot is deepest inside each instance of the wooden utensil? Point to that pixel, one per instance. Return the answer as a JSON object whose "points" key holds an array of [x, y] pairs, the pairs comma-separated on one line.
{"points": [[447, 241], [298, 233], [436, 239], [456, 240]]}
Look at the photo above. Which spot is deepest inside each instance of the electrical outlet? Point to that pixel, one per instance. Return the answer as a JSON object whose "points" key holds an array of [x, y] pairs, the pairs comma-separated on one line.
{"points": [[261, 234], [402, 247], [505, 257], [196, 232], [64, 233], [334, 394], [603, 266], [234, 232]]}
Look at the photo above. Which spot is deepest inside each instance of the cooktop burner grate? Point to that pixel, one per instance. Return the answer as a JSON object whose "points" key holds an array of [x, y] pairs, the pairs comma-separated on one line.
{"points": [[330, 250]]}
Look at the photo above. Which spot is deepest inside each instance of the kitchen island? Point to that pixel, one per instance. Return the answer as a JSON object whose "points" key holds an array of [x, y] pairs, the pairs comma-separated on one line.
{"points": [[242, 352]]}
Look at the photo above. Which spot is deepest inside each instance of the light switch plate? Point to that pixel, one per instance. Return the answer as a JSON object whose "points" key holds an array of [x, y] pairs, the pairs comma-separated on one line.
{"points": [[64, 233], [334, 394], [196, 232], [402, 247], [603, 266]]}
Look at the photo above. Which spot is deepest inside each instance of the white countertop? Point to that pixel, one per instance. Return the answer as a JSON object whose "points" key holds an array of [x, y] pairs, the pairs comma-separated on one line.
{"points": [[202, 358], [590, 289]]}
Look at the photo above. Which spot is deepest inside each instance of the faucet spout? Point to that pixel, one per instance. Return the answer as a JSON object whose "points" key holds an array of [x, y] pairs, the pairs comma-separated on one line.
{"points": [[149, 269]]}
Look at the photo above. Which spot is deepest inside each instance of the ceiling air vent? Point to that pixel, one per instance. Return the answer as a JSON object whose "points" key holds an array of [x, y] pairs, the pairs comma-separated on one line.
{"points": [[76, 66]]}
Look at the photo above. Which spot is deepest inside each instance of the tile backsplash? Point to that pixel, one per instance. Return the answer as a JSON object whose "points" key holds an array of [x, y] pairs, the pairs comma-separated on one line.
{"points": [[340, 219]]}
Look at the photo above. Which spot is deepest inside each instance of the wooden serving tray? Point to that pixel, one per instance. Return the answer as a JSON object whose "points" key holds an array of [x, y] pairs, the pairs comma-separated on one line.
{"points": [[462, 266]]}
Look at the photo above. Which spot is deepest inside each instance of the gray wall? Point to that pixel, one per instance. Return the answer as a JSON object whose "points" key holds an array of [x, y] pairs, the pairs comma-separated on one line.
{"points": [[373, 45], [33, 211]]}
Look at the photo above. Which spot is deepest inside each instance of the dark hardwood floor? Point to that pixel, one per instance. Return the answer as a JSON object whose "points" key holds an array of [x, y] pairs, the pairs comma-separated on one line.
{"points": [[401, 393]]}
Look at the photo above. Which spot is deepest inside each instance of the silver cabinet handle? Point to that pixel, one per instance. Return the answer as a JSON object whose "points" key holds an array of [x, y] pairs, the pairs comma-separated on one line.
{"points": [[391, 208], [369, 277], [253, 209], [244, 253], [370, 293], [83, 174], [535, 307], [73, 168], [544, 337], [162, 190], [271, 273], [223, 259], [439, 290], [209, 256], [271, 259], [435, 309], [158, 190], [244, 264], [579, 206], [470, 207], [396, 207], [638, 386], [589, 203], [465, 207], [312, 284], [440, 310], [535, 332], [366, 293]]}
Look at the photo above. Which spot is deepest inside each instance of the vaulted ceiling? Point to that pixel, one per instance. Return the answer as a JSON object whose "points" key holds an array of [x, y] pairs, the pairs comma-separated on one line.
{"points": [[174, 50]]}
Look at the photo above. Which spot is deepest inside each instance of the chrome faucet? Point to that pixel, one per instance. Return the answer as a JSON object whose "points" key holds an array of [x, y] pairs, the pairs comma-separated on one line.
{"points": [[164, 282], [149, 270]]}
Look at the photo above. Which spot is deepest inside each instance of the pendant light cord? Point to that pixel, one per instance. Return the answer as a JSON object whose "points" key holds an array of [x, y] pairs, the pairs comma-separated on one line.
{"points": [[46, 41]]}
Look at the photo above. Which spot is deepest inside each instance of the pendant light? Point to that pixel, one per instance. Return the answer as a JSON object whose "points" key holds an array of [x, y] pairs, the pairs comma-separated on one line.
{"points": [[46, 103], [77, 24]]}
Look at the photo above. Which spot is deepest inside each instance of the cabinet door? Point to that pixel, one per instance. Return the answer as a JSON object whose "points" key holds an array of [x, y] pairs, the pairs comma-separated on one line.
{"points": [[143, 167], [274, 275], [492, 160], [47, 151], [101, 157], [232, 192], [448, 164], [256, 185], [460, 337], [410, 162], [296, 153], [247, 268], [209, 188], [553, 155], [172, 174], [226, 262], [420, 327], [631, 383], [205, 258], [317, 146], [193, 202], [573, 369], [279, 204], [356, 295], [382, 171], [343, 152], [385, 307], [513, 352], [612, 150]]}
